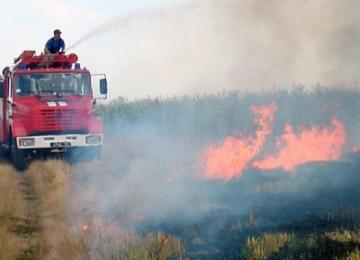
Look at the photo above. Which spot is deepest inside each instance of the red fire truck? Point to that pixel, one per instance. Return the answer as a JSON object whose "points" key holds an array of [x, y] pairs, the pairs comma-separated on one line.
{"points": [[46, 106]]}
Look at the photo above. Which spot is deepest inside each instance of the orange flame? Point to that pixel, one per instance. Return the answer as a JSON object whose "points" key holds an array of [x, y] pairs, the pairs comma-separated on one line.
{"points": [[230, 158], [314, 144], [85, 227]]}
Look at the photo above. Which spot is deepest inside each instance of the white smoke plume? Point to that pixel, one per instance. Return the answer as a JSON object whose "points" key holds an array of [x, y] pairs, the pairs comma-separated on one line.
{"points": [[210, 46]]}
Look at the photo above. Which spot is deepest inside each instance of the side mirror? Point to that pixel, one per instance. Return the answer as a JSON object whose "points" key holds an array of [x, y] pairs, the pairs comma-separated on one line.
{"points": [[103, 87], [1, 89]]}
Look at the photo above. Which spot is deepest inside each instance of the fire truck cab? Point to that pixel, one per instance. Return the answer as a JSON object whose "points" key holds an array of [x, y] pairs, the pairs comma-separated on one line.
{"points": [[47, 106]]}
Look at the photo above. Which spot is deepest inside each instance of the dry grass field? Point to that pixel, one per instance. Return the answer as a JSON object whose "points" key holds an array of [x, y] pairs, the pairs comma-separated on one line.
{"points": [[143, 199], [40, 219], [13, 214]]}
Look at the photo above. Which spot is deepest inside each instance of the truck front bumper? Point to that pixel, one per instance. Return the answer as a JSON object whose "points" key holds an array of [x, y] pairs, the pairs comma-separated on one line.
{"points": [[59, 141]]}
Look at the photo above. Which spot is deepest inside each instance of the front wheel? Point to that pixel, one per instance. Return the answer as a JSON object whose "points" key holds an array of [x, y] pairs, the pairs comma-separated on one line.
{"points": [[18, 157]]}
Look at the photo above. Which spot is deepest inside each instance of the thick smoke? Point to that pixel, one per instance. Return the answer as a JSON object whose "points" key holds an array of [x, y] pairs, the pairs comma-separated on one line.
{"points": [[208, 46], [149, 175]]}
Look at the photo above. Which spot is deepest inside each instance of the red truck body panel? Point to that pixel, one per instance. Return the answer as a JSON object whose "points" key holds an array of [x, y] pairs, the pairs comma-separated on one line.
{"points": [[46, 114]]}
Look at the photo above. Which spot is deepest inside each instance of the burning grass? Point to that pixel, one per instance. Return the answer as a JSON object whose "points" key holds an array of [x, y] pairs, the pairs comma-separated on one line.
{"points": [[229, 159], [307, 134], [70, 230], [144, 199], [108, 240], [72, 227]]}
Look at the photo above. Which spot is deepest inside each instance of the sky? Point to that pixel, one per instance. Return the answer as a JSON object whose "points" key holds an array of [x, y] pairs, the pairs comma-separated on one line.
{"points": [[27, 25], [163, 48]]}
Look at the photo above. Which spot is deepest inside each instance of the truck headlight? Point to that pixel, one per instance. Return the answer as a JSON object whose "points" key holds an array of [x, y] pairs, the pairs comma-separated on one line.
{"points": [[28, 141], [93, 139]]}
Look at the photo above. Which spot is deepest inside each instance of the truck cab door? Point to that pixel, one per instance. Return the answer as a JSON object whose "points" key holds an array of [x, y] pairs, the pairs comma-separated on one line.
{"points": [[4, 124]]}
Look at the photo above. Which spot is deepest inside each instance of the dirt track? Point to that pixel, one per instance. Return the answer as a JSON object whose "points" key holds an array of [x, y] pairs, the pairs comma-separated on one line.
{"points": [[47, 213], [31, 227], [31, 206]]}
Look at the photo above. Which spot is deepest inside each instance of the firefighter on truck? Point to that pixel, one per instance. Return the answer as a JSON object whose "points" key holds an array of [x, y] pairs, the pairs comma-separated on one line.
{"points": [[47, 107]]}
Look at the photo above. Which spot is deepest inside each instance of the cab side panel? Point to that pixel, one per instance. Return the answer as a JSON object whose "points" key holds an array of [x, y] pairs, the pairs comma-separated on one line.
{"points": [[4, 124]]}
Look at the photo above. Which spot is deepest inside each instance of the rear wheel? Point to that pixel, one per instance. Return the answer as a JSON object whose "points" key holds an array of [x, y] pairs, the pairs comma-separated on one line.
{"points": [[18, 156]]}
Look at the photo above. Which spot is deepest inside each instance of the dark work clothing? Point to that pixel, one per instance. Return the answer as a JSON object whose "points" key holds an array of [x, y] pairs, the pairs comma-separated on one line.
{"points": [[54, 45]]}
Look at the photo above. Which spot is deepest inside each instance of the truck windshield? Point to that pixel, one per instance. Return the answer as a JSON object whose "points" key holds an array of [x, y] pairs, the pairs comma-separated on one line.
{"points": [[52, 84]]}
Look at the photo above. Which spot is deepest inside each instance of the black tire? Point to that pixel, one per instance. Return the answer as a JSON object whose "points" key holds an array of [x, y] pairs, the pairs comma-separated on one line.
{"points": [[18, 157]]}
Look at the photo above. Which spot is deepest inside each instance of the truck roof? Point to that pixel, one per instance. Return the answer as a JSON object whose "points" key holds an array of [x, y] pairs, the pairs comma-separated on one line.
{"points": [[50, 70], [29, 62]]}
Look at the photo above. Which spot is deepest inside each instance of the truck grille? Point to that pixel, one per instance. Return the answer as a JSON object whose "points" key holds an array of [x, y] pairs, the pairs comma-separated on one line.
{"points": [[58, 120]]}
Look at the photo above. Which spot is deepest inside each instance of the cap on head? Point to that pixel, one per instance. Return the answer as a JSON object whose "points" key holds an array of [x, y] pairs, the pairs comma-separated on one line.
{"points": [[57, 31]]}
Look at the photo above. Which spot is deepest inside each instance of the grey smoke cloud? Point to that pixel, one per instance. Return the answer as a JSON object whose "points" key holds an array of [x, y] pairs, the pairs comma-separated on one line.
{"points": [[210, 46]]}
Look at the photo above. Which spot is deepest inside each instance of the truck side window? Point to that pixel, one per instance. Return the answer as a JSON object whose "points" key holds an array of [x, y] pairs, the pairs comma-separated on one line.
{"points": [[86, 84], [23, 85]]}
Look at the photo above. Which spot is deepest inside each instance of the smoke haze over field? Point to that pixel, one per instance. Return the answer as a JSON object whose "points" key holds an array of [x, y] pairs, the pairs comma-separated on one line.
{"points": [[152, 155], [208, 46], [215, 169], [149, 178]]}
